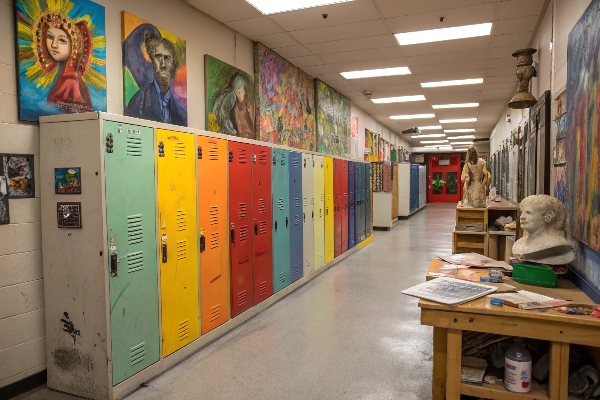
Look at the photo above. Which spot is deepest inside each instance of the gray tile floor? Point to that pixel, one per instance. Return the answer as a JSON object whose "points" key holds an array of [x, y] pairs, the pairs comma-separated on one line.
{"points": [[349, 334]]}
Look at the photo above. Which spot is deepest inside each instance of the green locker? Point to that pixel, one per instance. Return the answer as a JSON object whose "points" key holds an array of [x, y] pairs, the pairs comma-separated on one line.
{"points": [[319, 209], [281, 219]]}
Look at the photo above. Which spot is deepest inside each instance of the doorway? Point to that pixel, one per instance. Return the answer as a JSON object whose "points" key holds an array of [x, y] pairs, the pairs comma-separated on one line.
{"points": [[444, 178]]}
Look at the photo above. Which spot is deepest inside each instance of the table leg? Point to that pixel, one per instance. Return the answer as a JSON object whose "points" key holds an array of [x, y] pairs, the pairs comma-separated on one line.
{"points": [[439, 363], [454, 351], [558, 381]]}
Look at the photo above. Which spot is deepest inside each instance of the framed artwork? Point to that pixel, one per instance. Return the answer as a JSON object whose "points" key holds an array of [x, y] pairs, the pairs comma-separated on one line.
{"points": [[542, 115], [68, 215], [4, 210], [61, 57], [561, 127], [531, 155], [19, 175], [560, 183], [583, 135], [229, 99], [333, 120], [561, 105], [285, 108], [67, 180], [559, 156], [354, 145], [154, 72]]}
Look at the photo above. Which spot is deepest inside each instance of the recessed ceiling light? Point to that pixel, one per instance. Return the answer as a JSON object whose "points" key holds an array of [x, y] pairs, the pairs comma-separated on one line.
{"points": [[454, 121], [458, 130], [413, 116], [433, 141], [438, 35], [272, 7], [462, 149], [452, 83], [431, 135], [430, 128], [465, 143], [400, 99], [441, 146], [462, 137], [371, 73], [462, 105]]}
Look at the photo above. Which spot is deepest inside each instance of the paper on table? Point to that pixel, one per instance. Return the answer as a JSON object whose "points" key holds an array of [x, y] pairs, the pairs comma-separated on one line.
{"points": [[475, 260], [449, 290]]}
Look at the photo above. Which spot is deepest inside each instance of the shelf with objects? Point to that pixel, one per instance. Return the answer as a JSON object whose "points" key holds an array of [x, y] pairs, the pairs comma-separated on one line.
{"points": [[384, 184], [412, 186]]}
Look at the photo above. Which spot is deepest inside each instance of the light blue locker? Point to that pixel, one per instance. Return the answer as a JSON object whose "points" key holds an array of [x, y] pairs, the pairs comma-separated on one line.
{"points": [[281, 219]]}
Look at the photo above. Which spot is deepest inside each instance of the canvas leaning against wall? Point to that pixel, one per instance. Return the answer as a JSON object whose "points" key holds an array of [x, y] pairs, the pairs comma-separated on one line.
{"points": [[229, 99], [333, 121], [154, 73], [583, 124], [61, 57], [285, 108]]}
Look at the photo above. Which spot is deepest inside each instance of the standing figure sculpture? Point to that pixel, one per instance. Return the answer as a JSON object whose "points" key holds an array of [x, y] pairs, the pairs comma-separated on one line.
{"points": [[474, 176]]}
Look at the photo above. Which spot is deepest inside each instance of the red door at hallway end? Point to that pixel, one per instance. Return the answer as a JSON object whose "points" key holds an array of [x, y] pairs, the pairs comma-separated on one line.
{"points": [[444, 178]]}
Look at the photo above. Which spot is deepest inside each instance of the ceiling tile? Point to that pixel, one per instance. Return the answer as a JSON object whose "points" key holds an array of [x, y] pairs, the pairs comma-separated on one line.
{"points": [[306, 61], [381, 90], [515, 25], [450, 46], [226, 10], [359, 43], [253, 27], [500, 79], [501, 71], [386, 83], [370, 64], [276, 40], [292, 51], [519, 8], [517, 40], [506, 61], [455, 57], [453, 17], [450, 76], [317, 70], [362, 55], [467, 66], [339, 32], [394, 8]]}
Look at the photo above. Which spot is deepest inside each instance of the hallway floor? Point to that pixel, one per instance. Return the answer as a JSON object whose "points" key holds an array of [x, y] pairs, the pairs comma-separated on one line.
{"points": [[349, 334]]}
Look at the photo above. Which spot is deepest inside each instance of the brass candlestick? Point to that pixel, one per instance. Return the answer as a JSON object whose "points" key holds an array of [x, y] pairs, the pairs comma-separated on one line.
{"points": [[525, 71]]}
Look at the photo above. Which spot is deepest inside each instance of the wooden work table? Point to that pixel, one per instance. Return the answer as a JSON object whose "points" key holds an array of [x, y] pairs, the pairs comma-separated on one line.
{"points": [[479, 315]]}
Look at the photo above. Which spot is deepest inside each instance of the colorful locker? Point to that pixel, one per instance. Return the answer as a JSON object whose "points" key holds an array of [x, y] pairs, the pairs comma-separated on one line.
{"points": [[308, 214], [329, 210], [131, 228], [296, 210], [367, 200], [319, 209], [177, 238], [351, 206], [241, 226], [359, 191], [262, 217], [213, 233], [281, 219], [337, 207], [344, 205]]}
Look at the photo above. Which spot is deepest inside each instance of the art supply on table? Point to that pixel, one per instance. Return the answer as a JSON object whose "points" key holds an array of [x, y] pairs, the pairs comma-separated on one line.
{"points": [[496, 302], [449, 290], [517, 369]]}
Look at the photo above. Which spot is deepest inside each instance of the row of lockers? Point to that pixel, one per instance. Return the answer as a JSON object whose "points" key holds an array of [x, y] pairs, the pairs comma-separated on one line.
{"points": [[196, 228]]}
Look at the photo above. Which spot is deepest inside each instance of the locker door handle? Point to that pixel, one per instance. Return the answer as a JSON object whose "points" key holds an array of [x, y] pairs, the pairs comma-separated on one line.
{"points": [[232, 234], [320, 212], [202, 243], [114, 264], [164, 252], [326, 212], [275, 225], [286, 222], [303, 217], [255, 229], [313, 215]]}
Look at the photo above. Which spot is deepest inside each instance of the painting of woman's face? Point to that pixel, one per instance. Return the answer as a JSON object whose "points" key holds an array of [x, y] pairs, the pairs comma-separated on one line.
{"points": [[240, 93], [58, 44]]}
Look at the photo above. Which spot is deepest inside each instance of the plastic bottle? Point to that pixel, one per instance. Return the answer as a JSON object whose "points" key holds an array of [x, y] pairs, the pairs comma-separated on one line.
{"points": [[517, 368]]}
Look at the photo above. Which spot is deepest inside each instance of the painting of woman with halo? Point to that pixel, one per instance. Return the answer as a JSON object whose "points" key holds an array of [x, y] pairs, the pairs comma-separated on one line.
{"points": [[62, 60]]}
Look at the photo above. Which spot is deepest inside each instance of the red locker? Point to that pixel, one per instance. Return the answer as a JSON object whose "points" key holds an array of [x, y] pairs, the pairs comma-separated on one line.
{"points": [[262, 223], [344, 205], [241, 226], [337, 202]]}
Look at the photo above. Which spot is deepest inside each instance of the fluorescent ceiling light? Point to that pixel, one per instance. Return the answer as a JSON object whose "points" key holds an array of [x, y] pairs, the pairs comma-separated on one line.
{"points": [[462, 105], [429, 128], [371, 73], [413, 116], [400, 99], [464, 149], [454, 121], [457, 143], [438, 35], [433, 141], [458, 130], [272, 7], [431, 135], [453, 83], [462, 137], [441, 146]]}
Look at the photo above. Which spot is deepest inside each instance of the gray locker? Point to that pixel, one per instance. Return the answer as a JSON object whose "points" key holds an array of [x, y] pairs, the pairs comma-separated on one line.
{"points": [[308, 202], [319, 231]]}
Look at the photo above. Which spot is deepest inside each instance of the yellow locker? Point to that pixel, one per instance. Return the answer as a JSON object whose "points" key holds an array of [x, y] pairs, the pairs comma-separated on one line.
{"points": [[177, 238], [329, 220]]}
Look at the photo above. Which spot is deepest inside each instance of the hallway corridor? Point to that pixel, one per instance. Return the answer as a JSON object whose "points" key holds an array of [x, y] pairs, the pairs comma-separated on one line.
{"points": [[349, 334]]}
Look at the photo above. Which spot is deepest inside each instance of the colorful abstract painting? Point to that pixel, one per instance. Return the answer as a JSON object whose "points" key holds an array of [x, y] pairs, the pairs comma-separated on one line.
{"points": [[4, 210], [229, 99], [61, 57], [583, 123], [333, 121], [354, 144], [285, 108], [154, 73], [67, 180], [560, 183], [18, 175]]}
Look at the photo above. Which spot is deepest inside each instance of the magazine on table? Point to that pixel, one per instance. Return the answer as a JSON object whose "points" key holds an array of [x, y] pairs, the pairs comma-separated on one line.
{"points": [[449, 290]]}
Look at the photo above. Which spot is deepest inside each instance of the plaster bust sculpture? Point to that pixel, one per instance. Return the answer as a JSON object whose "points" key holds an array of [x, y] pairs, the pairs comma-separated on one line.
{"points": [[543, 218]]}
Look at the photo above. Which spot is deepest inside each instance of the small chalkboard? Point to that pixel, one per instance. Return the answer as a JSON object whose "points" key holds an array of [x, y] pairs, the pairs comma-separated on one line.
{"points": [[68, 215]]}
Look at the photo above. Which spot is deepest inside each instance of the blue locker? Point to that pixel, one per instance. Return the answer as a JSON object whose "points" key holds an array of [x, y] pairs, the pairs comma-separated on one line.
{"points": [[281, 219], [367, 200], [414, 187], [351, 206], [296, 232], [359, 177]]}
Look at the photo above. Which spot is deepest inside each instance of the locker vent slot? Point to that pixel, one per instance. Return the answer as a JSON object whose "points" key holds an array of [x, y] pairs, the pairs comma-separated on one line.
{"points": [[262, 206], [295, 270], [137, 353], [214, 215], [296, 202], [282, 277], [242, 156], [309, 262], [180, 150], [280, 203], [184, 329], [134, 146], [312, 200], [262, 227], [242, 297], [304, 200], [296, 220], [182, 249], [262, 288], [262, 157], [243, 233], [282, 160], [295, 161], [243, 210], [213, 151], [135, 233], [215, 312], [214, 240], [322, 197], [181, 221], [135, 261]]}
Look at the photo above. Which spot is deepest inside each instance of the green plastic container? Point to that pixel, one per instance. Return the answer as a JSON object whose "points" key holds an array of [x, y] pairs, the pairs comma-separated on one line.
{"points": [[532, 274]]}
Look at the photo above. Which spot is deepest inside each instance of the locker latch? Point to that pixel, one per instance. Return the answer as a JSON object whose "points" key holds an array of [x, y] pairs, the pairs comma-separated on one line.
{"points": [[254, 158], [305, 163], [275, 225], [255, 228], [161, 149], [230, 155], [109, 143], [164, 247], [202, 241], [232, 233], [274, 159], [114, 259], [287, 221], [199, 152]]}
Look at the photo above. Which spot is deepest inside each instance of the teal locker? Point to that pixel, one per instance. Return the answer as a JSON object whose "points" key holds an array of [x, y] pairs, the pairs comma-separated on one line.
{"points": [[308, 214], [319, 224], [281, 219]]}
